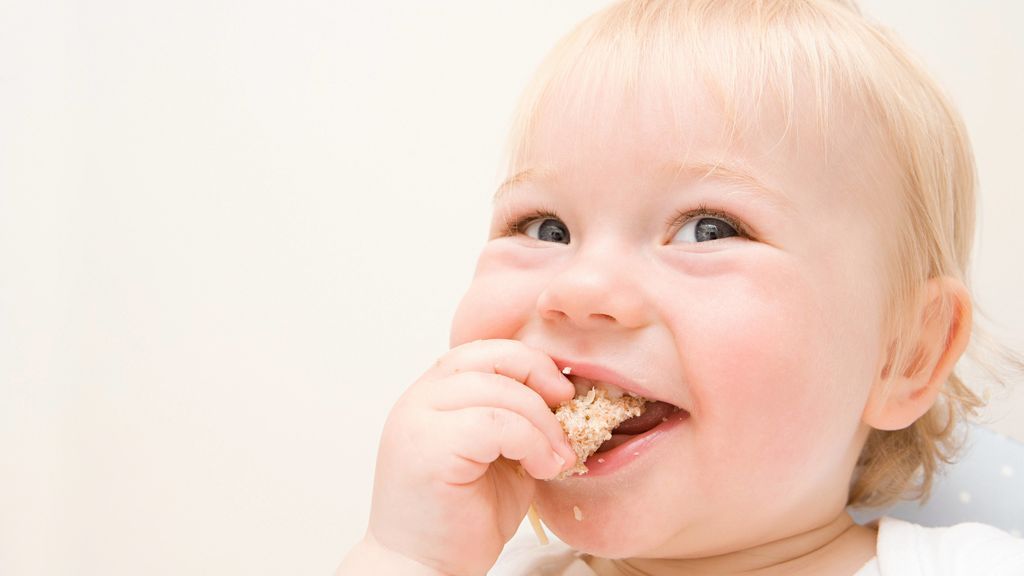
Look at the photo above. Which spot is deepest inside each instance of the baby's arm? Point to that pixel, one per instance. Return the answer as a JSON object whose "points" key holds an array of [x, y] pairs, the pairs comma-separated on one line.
{"points": [[369, 557], [447, 495]]}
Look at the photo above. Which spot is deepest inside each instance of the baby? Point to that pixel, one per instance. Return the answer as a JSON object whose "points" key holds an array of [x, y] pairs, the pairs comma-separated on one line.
{"points": [[756, 216]]}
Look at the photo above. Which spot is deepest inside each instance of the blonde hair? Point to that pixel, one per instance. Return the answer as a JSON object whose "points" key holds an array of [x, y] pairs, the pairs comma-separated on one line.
{"points": [[768, 49]]}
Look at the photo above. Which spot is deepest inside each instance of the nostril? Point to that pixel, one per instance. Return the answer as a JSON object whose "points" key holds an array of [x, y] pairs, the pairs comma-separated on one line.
{"points": [[554, 315], [593, 317], [590, 308]]}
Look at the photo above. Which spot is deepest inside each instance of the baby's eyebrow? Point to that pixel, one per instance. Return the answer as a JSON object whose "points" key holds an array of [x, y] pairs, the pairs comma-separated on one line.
{"points": [[732, 174], [520, 177], [692, 170]]}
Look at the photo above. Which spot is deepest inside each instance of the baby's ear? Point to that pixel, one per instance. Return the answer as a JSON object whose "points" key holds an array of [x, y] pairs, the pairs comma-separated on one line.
{"points": [[944, 329]]}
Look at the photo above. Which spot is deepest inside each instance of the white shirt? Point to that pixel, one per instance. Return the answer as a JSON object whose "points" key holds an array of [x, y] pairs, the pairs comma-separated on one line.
{"points": [[903, 549], [970, 548]]}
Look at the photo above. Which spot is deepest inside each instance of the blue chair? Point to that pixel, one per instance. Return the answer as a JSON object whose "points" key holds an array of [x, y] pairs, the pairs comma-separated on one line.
{"points": [[986, 485]]}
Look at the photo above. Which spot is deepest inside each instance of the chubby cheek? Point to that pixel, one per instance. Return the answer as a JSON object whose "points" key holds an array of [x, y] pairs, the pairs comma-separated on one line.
{"points": [[768, 382], [497, 303]]}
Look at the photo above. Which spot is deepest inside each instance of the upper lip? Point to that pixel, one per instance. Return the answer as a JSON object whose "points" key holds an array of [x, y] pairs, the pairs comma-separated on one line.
{"points": [[600, 373]]}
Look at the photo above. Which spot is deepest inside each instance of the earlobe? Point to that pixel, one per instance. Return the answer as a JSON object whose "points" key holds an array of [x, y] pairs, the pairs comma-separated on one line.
{"points": [[944, 330]]}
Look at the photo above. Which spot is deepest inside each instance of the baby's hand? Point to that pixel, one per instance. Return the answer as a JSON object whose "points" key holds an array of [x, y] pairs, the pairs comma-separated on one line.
{"points": [[447, 492]]}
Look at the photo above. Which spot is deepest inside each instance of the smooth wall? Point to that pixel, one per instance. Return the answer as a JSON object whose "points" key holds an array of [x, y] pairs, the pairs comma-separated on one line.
{"points": [[231, 233]]}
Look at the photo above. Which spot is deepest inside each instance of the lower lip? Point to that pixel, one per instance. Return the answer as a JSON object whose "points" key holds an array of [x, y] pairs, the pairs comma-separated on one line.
{"points": [[603, 463]]}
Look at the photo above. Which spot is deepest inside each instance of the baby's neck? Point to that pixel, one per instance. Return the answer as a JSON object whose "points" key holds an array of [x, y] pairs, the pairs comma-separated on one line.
{"points": [[838, 548]]}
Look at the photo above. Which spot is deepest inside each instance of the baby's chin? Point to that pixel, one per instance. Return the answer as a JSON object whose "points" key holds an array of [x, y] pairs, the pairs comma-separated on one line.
{"points": [[604, 527]]}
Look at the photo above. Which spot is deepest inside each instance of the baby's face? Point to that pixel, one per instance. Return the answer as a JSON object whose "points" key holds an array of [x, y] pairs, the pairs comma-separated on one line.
{"points": [[758, 311]]}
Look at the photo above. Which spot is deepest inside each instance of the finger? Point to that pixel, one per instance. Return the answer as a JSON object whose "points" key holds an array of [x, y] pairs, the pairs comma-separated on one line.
{"points": [[513, 359], [470, 389], [482, 435]]}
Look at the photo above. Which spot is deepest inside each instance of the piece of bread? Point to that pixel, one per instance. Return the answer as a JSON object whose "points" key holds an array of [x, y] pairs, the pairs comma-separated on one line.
{"points": [[589, 418]]}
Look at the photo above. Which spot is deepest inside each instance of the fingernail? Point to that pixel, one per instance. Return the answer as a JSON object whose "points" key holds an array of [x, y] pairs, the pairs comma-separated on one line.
{"points": [[560, 460]]}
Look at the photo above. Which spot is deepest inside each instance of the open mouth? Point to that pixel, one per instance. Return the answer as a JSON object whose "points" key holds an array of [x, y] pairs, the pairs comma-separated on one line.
{"points": [[602, 417], [655, 414]]}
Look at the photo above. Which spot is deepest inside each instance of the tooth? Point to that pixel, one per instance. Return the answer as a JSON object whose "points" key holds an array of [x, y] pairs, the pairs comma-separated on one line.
{"points": [[614, 392], [583, 385]]}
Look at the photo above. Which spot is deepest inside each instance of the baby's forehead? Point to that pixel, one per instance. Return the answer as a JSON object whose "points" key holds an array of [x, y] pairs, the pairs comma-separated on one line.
{"points": [[690, 117], [772, 90]]}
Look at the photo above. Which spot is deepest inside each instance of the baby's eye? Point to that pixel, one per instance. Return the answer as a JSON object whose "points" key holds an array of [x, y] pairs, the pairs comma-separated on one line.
{"points": [[704, 229], [704, 225], [540, 224], [547, 230]]}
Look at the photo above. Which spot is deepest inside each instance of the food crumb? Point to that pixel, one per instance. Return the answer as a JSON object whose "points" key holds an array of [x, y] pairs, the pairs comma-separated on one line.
{"points": [[600, 460], [577, 513], [663, 419], [567, 370]]}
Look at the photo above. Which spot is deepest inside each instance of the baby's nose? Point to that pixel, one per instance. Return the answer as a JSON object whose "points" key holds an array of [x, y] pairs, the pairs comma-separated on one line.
{"points": [[594, 293]]}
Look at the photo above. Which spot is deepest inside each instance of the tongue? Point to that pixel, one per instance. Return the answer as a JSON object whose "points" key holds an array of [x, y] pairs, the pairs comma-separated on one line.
{"points": [[653, 414]]}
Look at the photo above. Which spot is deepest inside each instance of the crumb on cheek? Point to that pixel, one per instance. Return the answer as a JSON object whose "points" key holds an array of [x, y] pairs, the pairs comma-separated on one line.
{"points": [[577, 513]]}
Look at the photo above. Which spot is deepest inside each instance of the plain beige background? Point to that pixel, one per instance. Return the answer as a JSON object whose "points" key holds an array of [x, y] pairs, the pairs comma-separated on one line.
{"points": [[232, 232]]}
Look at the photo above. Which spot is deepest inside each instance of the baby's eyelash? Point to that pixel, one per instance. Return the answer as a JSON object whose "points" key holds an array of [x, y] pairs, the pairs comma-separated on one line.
{"points": [[517, 225], [684, 216]]}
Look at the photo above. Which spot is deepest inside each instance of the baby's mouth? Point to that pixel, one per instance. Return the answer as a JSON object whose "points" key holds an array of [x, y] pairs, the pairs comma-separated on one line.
{"points": [[655, 412]]}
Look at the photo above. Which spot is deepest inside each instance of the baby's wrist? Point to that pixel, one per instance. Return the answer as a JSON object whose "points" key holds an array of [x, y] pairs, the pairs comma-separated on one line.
{"points": [[370, 557]]}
